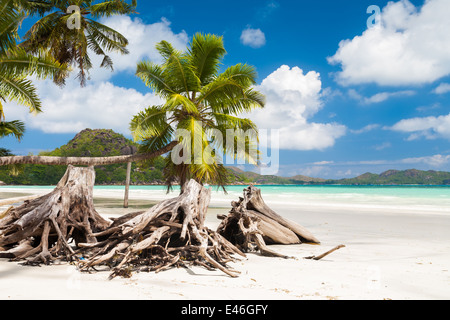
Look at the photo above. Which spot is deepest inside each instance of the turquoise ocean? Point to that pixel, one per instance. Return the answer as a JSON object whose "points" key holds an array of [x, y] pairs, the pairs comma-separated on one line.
{"points": [[434, 199]]}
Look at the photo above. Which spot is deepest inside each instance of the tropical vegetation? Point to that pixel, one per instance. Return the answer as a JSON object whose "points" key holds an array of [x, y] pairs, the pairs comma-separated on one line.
{"points": [[68, 31], [200, 100], [16, 65], [87, 143]]}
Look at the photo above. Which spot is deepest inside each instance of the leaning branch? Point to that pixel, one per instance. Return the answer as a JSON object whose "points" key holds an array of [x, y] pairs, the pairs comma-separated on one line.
{"points": [[84, 161]]}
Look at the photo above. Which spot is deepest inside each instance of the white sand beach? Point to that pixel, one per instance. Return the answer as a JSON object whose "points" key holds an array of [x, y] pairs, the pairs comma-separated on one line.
{"points": [[390, 253]]}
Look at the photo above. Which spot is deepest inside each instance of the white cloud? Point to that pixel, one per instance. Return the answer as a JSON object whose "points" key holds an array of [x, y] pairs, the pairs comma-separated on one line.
{"points": [[254, 38], [142, 39], [365, 129], [379, 97], [442, 88], [436, 161], [101, 104], [292, 98], [408, 47], [322, 163], [382, 146], [428, 127]]}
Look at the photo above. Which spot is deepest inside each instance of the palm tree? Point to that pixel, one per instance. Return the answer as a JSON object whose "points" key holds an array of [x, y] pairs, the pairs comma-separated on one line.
{"points": [[200, 100], [70, 45], [16, 65], [14, 128]]}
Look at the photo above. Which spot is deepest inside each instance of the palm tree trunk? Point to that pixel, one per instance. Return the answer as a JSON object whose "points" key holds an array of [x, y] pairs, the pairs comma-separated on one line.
{"points": [[84, 161]]}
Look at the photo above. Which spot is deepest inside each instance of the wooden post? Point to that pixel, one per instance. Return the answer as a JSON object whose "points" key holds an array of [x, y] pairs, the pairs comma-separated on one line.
{"points": [[127, 185]]}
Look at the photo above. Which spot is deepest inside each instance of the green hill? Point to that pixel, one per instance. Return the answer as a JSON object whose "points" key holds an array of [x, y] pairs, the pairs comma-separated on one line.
{"points": [[104, 143], [396, 177], [245, 177], [89, 143]]}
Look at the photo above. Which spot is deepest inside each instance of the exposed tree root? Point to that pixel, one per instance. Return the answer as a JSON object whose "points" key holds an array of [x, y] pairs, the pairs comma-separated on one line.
{"points": [[40, 230], [170, 234], [251, 224]]}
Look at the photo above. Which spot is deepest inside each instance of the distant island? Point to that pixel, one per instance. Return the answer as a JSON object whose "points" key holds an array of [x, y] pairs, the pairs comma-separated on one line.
{"points": [[103, 143]]}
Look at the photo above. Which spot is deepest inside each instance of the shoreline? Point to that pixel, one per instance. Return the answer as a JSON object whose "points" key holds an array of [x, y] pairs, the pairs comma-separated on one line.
{"points": [[388, 255]]}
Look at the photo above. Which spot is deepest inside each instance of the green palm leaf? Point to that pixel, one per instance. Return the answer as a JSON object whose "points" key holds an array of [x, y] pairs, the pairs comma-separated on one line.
{"points": [[199, 103], [153, 76], [71, 46], [17, 63], [20, 90], [205, 54], [12, 128], [110, 8]]}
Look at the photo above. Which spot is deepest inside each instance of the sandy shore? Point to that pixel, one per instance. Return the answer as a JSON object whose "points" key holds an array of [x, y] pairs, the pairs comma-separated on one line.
{"points": [[388, 255]]}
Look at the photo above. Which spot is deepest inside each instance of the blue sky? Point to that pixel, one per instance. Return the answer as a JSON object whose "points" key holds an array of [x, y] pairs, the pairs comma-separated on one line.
{"points": [[347, 98]]}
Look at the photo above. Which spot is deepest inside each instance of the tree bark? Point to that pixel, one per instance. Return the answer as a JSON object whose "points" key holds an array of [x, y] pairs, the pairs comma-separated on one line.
{"points": [[47, 224], [170, 234], [84, 161], [251, 224]]}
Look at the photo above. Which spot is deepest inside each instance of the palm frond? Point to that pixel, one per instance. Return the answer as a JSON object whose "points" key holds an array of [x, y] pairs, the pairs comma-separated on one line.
{"points": [[20, 90], [14, 128], [221, 88], [106, 37], [153, 77], [34, 7], [205, 54], [177, 100], [243, 74], [10, 20], [150, 123], [110, 8], [18, 63], [178, 72]]}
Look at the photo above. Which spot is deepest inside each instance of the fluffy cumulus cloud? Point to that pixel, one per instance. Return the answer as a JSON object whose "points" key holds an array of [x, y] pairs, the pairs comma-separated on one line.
{"points": [[292, 97], [102, 104], [99, 105], [410, 46], [254, 38], [427, 127], [142, 40]]}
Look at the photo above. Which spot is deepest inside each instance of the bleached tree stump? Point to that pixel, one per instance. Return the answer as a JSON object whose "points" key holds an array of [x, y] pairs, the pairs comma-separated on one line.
{"points": [[41, 230], [172, 233], [251, 224]]}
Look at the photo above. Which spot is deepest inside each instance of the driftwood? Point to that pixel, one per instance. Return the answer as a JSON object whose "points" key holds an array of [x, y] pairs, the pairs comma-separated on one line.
{"points": [[251, 225], [64, 225], [171, 233], [40, 230], [323, 255]]}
